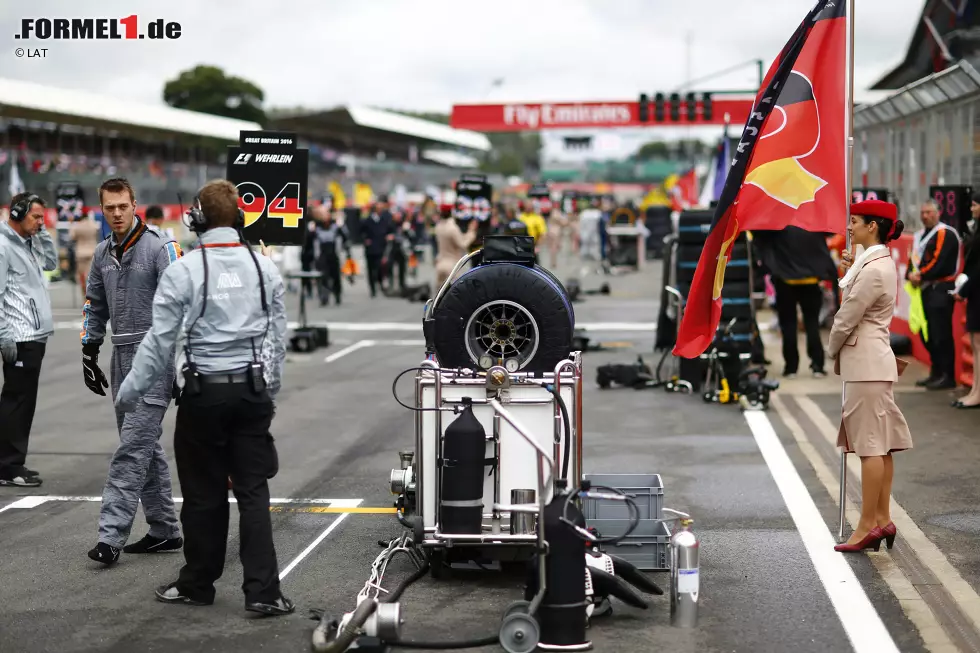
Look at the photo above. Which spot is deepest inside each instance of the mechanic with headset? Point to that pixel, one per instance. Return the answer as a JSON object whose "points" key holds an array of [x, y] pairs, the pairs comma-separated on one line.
{"points": [[26, 252], [230, 341], [124, 274]]}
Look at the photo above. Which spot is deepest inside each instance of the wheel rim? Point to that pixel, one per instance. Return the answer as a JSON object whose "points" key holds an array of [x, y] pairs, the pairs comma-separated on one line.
{"points": [[502, 330], [519, 634]]}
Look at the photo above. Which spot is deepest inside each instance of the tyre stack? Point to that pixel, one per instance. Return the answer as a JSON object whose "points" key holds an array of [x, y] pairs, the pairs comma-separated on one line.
{"points": [[736, 294], [657, 221]]}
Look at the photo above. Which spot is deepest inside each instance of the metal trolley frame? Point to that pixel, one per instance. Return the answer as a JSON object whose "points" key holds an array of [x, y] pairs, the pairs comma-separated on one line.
{"points": [[496, 381]]}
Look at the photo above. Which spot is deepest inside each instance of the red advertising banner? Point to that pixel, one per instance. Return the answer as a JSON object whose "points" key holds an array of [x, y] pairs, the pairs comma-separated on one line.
{"points": [[578, 115]]}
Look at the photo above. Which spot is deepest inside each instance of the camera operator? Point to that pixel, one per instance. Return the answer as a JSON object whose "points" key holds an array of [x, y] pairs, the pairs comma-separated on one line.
{"points": [[26, 252], [230, 358]]}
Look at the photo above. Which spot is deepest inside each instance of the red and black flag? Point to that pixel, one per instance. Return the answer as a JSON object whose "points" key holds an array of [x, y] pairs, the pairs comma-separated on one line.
{"points": [[790, 166]]}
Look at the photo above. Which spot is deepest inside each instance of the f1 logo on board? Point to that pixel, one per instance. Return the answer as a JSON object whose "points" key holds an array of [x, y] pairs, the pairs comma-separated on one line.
{"points": [[243, 158]]}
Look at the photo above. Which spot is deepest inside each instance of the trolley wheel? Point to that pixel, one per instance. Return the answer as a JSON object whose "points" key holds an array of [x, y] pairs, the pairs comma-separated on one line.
{"points": [[437, 563], [519, 633], [517, 607], [418, 531]]}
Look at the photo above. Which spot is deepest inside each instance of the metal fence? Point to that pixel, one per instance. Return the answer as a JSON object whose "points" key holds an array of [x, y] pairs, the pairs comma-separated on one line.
{"points": [[166, 183], [927, 133]]}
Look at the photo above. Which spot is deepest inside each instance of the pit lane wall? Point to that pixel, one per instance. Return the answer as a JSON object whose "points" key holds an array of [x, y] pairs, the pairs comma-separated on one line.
{"points": [[900, 250]]}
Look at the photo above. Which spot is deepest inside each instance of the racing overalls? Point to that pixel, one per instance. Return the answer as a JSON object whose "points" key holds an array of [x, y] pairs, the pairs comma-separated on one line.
{"points": [[120, 290]]}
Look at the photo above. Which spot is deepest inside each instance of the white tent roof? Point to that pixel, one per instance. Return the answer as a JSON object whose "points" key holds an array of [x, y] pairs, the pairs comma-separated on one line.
{"points": [[410, 126], [63, 102], [451, 159]]}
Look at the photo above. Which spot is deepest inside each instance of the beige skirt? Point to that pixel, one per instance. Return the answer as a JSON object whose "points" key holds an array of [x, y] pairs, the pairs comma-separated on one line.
{"points": [[83, 264], [871, 423]]}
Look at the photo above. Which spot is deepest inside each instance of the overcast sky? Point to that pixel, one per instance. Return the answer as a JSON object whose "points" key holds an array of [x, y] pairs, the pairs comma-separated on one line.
{"points": [[428, 54]]}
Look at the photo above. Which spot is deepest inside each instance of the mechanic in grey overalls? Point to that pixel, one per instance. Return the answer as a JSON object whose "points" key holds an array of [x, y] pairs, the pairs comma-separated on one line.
{"points": [[125, 271], [223, 307], [330, 235]]}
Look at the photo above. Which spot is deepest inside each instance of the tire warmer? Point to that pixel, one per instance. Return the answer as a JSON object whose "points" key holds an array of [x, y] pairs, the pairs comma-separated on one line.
{"points": [[464, 453]]}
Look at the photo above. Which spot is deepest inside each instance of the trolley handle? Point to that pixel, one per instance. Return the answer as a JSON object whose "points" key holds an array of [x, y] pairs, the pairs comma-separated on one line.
{"points": [[543, 456], [676, 293]]}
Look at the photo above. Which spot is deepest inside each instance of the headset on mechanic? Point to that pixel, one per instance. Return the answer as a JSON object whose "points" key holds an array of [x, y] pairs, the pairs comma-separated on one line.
{"points": [[26, 252], [230, 358]]}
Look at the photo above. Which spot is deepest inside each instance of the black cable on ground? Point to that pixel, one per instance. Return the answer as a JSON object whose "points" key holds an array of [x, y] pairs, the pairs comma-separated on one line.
{"points": [[396, 593], [489, 640]]}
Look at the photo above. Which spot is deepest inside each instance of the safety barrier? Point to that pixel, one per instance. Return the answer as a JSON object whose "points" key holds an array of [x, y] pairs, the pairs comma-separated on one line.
{"points": [[901, 249]]}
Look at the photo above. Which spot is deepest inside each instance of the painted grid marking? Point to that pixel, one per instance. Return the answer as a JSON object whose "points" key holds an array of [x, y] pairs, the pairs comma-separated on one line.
{"points": [[858, 616]]}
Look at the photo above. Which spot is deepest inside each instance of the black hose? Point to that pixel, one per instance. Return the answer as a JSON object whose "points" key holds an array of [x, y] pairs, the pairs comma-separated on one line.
{"points": [[631, 506], [566, 454], [403, 520], [394, 385], [396, 594]]}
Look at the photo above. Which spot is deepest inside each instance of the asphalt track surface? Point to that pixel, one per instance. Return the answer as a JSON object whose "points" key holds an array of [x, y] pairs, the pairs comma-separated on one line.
{"points": [[339, 431]]}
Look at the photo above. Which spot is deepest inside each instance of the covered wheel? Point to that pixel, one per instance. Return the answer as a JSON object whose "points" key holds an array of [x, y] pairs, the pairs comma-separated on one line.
{"points": [[504, 313]]}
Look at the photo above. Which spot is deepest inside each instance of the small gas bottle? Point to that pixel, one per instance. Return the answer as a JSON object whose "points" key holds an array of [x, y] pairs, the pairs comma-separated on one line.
{"points": [[685, 578]]}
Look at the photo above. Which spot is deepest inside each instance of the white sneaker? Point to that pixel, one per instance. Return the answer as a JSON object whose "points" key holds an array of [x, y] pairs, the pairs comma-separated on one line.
{"points": [[21, 481]]}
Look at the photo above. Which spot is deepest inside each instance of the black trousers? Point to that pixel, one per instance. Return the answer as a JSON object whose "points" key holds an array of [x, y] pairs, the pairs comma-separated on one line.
{"points": [[222, 432], [18, 400], [330, 281], [374, 271], [938, 306], [399, 262], [809, 298]]}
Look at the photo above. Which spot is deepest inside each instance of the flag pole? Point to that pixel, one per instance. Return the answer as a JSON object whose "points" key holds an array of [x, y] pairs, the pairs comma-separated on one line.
{"points": [[847, 216]]}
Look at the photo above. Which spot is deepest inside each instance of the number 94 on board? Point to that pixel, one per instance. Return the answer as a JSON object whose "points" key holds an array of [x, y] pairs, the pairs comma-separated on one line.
{"points": [[271, 175]]}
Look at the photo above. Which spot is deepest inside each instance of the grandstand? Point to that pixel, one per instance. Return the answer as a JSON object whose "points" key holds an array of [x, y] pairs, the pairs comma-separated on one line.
{"points": [[54, 135]]}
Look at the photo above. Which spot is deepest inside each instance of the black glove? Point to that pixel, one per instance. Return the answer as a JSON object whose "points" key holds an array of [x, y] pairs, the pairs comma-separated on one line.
{"points": [[175, 393], [94, 378]]}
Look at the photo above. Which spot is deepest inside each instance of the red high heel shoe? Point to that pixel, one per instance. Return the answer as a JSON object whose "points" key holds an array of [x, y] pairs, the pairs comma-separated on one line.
{"points": [[889, 531], [871, 540]]}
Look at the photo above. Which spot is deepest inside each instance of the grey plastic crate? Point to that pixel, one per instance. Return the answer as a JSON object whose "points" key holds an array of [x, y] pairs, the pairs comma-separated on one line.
{"points": [[646, 490], [647, 547]]}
